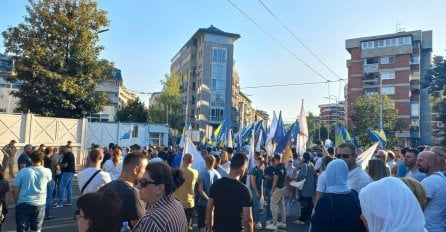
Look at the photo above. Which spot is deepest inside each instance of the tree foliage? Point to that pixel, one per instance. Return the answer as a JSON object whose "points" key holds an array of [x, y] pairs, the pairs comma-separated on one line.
{"points": [[169, 110], [56, 55], [366, 117], [134, 111], [435, 79]]}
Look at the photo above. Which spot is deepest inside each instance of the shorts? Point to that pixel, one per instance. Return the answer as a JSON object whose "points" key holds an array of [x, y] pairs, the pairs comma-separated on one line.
{"points": [[29, 217]]}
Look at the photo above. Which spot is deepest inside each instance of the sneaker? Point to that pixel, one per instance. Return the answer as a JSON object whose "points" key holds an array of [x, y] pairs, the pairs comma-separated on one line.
{"points": [[259, 226], [67, 204], [58, 206], [281, 225], [271, 227]]}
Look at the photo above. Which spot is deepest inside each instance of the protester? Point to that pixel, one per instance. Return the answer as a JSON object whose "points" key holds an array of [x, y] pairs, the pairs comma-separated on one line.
{"points": [[107, 153], [389, 205], [357, 178], [338, 208], [391, 163], [30, 186], [321, 185], [4, 196], [382, 155], [156, 188], [9, 154], [185, 193], [91, 179], [377, 169], [224, 211], [256, 187], [218, 168], [410, 159], [306, 172], [291, 193], [114, 164], [205, 180], [269, 176], [225, 163], [57, 173], [99, 211], [435, 186], [278, 194], [66, 183], [47, 163], [441, 157], [418, 190], [24, 161], [133, 169]]}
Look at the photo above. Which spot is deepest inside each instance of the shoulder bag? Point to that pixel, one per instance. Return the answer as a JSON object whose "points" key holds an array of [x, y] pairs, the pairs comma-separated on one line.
{"points": [[89, 180]]}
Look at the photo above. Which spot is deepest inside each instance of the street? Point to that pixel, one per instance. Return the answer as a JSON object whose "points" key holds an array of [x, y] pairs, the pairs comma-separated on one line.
{"points": [[64, 219]]}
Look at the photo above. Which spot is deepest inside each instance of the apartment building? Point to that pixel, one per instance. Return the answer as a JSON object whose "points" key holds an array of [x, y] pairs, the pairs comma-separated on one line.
{"points": [[394, 65]]}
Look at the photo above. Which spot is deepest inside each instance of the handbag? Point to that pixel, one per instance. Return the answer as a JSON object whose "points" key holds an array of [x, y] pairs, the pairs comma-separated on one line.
{"points": [[300, 184]]}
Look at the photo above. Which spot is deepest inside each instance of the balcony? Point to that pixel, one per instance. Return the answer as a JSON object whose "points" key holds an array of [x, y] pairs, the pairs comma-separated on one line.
{"points": [[370, 68]]}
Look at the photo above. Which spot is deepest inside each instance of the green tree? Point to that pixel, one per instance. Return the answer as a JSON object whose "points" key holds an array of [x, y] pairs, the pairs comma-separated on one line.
{"points": [[134, 111], [169, 110], [435, 78], [366, 117], [56, 55]]}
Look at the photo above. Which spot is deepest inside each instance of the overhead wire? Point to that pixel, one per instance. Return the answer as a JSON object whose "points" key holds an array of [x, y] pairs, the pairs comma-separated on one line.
{"points": [[277, 41], [297, 38], [290, 84]]}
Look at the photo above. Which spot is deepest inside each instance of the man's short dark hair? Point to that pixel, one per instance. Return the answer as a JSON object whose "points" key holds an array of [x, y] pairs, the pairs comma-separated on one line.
{"points": [[229, 150], [276, 157], [217, 158], [133, 159], [348, 145], [413, 151], [94, 155], [111, 146], [330, 150], [238, 160], [37, 156]]}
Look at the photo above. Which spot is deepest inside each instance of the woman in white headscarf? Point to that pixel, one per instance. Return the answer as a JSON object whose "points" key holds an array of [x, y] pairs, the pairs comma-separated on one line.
{"points": [[338, 209], [389, 205]]}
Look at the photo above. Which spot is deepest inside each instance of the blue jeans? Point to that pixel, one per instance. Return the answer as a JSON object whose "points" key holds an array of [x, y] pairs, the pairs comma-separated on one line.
{"points": [[29, 217], [49, 197], [256, 206], [66, 184], [57, 187], [269, 215]]}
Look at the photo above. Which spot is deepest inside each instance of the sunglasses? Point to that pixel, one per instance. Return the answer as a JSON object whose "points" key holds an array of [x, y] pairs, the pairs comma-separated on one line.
{"points": [[344, 156], [144, 182]]}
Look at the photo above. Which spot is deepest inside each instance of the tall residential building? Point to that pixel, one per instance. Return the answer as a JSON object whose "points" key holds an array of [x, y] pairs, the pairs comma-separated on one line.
{"points": [[117, 94], [205, 66], [394, 65], [8, 103], [332, 113]]}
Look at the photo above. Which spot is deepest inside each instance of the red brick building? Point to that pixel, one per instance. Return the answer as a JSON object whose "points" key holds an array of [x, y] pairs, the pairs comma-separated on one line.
{"points": [[393, 64]]}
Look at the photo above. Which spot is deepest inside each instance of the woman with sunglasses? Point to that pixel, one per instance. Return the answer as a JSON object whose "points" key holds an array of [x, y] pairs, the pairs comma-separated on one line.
{"points": [[156, 188]]}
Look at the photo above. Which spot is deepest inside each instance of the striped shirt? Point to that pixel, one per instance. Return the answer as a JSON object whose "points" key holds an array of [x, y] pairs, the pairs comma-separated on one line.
{"points": [[165, 215]]}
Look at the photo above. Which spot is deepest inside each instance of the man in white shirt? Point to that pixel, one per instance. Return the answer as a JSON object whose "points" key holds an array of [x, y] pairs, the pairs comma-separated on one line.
{"points": [[357, 178], [101, 178], [435, 186]]}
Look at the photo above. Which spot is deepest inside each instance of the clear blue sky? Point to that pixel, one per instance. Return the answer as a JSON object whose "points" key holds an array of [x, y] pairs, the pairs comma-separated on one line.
{"points": [[144, 35]]}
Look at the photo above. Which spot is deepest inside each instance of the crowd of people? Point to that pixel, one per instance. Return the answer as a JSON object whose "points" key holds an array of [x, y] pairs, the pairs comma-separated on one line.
{"points": [[157, 189]]}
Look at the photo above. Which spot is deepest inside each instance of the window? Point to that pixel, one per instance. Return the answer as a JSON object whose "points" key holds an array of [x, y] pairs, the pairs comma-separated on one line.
{"points": [[387, 60], [135, 131], [216, 114], [415, 109], [415, 59], [218, 55], [388, 90], [414, 122], [387, 75], [193, 56]]}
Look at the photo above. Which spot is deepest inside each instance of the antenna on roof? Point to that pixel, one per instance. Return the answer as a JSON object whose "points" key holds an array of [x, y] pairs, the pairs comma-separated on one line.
{"points": [[398, 28]]}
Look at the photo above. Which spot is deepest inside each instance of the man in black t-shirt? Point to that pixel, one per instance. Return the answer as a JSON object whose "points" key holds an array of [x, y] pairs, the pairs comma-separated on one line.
{"points": [[133, 168], [278, 194], [66, 183], [224, 211]]}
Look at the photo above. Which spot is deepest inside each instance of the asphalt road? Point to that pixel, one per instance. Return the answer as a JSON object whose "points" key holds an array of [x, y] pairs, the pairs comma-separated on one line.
{"points": [[64, 221]]}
